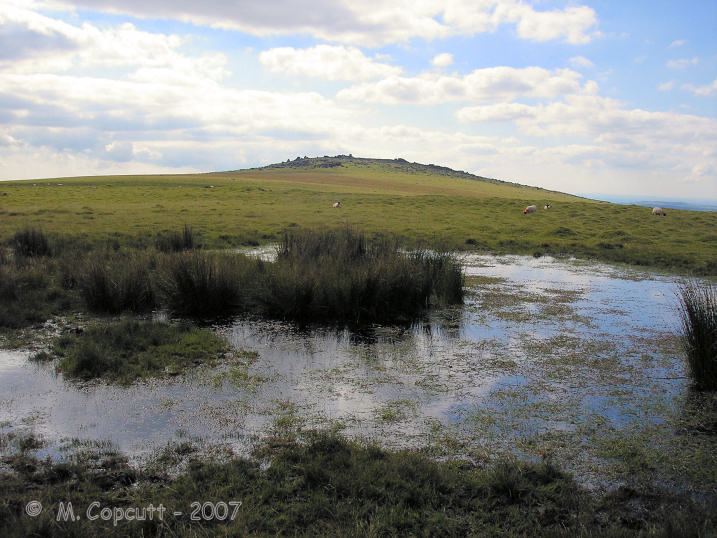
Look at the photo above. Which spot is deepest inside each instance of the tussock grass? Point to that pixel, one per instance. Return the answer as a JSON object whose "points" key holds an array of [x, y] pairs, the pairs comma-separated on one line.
{"points": [[29, 292], [30, 242], [202, 284], [173, 241], [698, 309], [131, 349], [114, 284], [339, 275], [328, 486], [342, 275]]}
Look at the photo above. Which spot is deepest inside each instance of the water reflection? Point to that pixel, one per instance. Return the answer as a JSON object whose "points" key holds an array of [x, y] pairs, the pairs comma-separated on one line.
{"points": [[570, 336]]}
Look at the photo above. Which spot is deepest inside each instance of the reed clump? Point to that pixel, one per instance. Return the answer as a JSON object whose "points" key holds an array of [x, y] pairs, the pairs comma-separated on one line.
{"points": [[203, 284], [30, 242], [115, 283], [698, 310], [342, 275], [174, 241]]}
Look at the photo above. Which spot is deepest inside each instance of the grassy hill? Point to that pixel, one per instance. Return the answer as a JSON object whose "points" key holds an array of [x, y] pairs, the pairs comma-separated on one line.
{"points": [[420, 203]]}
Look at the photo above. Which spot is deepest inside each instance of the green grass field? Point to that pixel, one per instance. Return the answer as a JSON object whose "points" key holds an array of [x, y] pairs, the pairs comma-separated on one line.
{"points": [[419, 203]]}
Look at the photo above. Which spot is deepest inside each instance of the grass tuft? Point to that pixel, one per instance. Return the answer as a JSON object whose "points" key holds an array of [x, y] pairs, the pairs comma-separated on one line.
{"points": [[130, 349], [187, 239], [30, 242], [202, 284], [698, 309], [341, 275], [112, 284]]}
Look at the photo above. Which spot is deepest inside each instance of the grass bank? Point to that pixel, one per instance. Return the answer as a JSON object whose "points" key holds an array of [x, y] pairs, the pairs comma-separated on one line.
{"points": [[420, 204], [130, 349], [326, 486]]}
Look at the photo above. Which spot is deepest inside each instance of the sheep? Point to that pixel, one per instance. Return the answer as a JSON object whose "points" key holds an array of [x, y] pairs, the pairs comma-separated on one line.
{"points": [[530, 209], [659, 211], [547, 206], [337, 204]]}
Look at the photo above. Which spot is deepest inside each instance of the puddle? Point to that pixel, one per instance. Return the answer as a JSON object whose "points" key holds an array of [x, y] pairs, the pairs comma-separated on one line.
{"points": [[544, 353]]}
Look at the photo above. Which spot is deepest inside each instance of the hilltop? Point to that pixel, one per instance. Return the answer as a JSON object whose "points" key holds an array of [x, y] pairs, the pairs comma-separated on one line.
{"points": [[393, 175], [388, 165]]}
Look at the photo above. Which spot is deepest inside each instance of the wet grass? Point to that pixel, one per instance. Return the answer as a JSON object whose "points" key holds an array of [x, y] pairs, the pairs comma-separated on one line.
{"points": [[112, 284], [30, 242], [323, 485], [339, 276], [173, 241], [343, 275], [125, 351], [698, 309]]}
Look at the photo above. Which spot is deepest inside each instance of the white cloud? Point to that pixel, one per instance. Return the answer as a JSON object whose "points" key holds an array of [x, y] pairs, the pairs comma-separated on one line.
{"points": [[607, 134], [442, 60], [482, 85], [368, 23], [498, 112], [573, 24], [32, 43], [682, 63], [666, 86], [677, 43], [708, 89], [581, 61], [326, 61]]}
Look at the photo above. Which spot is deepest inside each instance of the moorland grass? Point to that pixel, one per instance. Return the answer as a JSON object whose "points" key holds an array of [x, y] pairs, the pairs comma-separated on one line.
{"points": [[129, 349], [173, 241], [111, 283], [328, 486], [420, 204], [207, 284], [343, 275], [340, 276], [30, 242], [698, 310], [31, 291]]}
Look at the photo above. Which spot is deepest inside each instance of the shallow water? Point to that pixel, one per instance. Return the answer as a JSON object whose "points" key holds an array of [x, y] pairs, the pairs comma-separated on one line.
{"points": [[541, 348]]}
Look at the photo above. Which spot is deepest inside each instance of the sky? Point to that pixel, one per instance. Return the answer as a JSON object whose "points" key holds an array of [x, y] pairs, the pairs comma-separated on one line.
{"points": [[599, 96]]}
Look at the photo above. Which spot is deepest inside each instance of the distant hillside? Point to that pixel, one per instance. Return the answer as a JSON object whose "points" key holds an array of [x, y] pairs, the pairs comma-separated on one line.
{"points": [[393, 169], [421, 204], [388, 165]]}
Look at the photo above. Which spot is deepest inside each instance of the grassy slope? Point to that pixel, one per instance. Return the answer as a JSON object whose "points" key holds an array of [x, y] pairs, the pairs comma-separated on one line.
{"points": [[420, 203]]}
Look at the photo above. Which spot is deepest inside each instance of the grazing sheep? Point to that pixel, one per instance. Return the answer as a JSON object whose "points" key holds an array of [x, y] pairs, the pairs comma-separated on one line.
{"points": [[659, 211], [337, 204], [547, 206], [530, 209]]}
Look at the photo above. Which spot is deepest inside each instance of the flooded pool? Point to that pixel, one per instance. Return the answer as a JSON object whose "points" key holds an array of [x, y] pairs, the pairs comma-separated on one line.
{"points": [[544, 357]]}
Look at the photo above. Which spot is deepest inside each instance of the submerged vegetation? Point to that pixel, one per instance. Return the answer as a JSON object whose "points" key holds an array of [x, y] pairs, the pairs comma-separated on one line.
{"points": [[698, 309], [319, 275], [129, 349], [324, 485]]}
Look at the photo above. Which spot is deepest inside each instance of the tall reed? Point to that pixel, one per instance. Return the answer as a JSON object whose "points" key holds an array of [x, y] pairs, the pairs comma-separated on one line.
{"points": [[203, 284], [341, 275], [30, 242], [177, 241], [698, 309], [114, 283]]}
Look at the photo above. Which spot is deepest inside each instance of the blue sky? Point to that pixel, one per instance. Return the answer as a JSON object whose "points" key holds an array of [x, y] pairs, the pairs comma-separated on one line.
{"points": [[598, 96]]}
